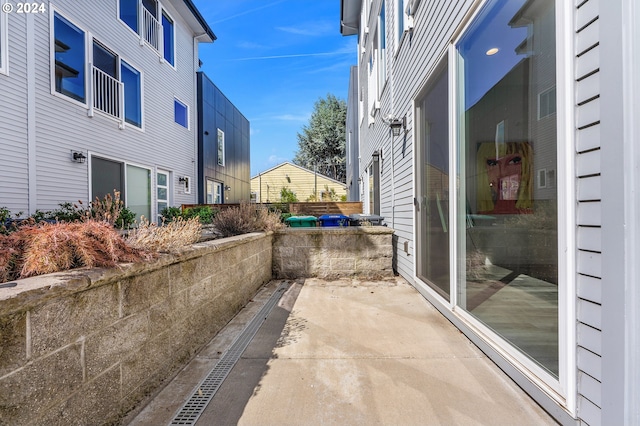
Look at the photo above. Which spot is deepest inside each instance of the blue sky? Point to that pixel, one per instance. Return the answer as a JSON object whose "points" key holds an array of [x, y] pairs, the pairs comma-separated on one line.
{"points": [[273, 60]]}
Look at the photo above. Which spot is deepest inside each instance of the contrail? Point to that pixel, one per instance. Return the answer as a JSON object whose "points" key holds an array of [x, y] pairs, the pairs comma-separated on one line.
{"points": [[301, 55], [246, 12]]}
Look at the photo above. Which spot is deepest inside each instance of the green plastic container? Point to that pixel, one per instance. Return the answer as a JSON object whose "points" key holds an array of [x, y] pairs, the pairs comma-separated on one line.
{"points": [[301, 221]]}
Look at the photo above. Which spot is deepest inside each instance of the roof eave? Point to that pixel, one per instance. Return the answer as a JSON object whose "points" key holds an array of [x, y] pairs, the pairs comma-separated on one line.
{"points": [[349, 17]]}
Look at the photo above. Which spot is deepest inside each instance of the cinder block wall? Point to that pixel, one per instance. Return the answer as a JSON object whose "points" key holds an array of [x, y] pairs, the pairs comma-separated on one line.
{"points": [[364, 251], [85, 347]]}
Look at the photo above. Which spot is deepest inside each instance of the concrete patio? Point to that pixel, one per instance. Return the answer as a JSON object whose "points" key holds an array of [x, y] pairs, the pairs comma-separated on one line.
{"points": [[349, 352]]}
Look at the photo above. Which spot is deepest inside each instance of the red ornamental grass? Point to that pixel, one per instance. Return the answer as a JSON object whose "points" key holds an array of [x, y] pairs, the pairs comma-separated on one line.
{"points": [[46, 248]]}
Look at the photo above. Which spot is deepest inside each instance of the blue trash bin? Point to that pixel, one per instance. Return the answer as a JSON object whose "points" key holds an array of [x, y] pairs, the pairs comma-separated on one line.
{"points": [[333, 220]]}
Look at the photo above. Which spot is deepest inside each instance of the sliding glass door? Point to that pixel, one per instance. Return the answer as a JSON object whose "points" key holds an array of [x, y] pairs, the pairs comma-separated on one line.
{"points": [[507, 201]]}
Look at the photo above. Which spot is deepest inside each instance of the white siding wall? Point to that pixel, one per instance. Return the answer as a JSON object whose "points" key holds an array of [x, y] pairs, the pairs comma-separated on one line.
{"points": [[62, 126], [13, 120], [589, 267], [408, 67]]}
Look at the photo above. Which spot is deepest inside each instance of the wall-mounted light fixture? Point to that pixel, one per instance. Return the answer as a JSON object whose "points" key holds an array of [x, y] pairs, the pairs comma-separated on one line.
{"points": [[227, 188], [78, 156], [397, 125]]}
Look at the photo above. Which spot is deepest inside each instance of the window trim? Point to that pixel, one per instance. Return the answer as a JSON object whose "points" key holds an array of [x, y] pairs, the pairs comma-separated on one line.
{"points": [[224, 154], [124, 23], [4, 41], [178, 100], [383, 74], [52, 58], [119, 60], [164, 11], [125, 163], [141, 73]]}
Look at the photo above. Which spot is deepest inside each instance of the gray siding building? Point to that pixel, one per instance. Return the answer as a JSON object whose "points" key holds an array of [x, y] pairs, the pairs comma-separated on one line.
{"points": [[223, 147], [98, 96], [511, 181]]}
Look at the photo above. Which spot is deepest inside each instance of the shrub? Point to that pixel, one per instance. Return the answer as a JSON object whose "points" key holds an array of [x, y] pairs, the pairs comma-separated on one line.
{"points": [[67, 212], [170, 213], [287, 195], [204, 213], [168, 237], [51, 247], [244, 219], [125, 219]]}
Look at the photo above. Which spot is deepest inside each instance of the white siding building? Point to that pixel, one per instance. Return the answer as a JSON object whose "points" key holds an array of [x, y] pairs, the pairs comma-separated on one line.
{"points": [[512, 181], [97, 96]]}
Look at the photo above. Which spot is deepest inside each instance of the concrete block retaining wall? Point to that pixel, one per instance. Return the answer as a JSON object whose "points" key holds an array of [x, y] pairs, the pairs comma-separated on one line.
{"points": [[84, 347], [87, 346], [364, 251]]}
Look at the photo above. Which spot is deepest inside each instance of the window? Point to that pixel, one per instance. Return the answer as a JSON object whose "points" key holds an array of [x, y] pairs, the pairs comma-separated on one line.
{"points": [[220, 147], [400, 21], [432, 186], [132, 94], [116, 87], [167, 31], [162, 193], [129, 13], [4, 34], [152, 24], [139, 191], [69, 59], [181, 113], [507, 226], [133, 183], [547, 103], [382, 50], [214, 192]]}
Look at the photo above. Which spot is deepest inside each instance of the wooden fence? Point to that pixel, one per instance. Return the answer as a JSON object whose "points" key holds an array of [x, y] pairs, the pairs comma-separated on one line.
{"points": [[299, 209]]}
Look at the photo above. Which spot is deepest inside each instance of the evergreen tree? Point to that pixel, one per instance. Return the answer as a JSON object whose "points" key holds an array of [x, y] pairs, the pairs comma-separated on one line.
{"points": [[321, 145]]}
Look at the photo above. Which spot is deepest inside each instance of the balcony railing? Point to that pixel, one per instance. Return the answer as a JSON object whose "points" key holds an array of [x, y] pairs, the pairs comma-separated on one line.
{"points": [[107, 95], [151, 29]]}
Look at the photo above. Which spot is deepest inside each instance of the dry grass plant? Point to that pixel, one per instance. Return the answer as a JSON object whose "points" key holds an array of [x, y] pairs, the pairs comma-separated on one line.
{"points": [[51, 247], [166, 238], [246, 218]]}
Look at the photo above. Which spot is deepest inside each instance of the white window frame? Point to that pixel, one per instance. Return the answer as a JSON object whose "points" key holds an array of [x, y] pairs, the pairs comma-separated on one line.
{"points": [[563, 390], [400, 27], [139, 70], [186, 105], [52, 58], [168, 186], [173, 35], [219, 162], [4, 41], [125, 163], [382, 49], [119, 60], [545, 94]]}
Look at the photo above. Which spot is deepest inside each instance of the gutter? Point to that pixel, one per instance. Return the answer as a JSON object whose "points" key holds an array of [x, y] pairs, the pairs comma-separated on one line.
{"points": [[201, 20]]}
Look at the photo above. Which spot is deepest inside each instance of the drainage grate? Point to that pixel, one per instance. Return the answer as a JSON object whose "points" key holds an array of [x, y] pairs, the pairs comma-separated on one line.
{"points": [[204, 392]]}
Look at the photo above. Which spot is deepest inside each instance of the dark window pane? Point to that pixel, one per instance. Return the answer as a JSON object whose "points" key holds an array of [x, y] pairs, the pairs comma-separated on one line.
{"points": [[433, 185], [167, 28], [129, 13], [181, 113], [132, 95], [104, 60], [69, 59], [106, 176]]}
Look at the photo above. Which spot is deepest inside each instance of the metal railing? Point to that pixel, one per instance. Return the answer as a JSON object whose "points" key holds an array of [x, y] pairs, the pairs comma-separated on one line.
{"points": [[107, 94], [151, 30]]}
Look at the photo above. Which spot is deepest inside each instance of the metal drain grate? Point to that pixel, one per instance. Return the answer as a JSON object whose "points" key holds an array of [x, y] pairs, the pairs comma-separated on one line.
{"points": [[204, 392]]}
